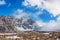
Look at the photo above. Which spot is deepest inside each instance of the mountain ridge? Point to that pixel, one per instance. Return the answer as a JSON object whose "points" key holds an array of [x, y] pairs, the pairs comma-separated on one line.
{"points": [[10, 24]]}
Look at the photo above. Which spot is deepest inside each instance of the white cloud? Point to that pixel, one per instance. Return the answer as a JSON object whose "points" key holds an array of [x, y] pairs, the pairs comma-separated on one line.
{"points": [[2, 2], [50, 26], [19, 13], [53, 6], [32, 3], [40, 23]]}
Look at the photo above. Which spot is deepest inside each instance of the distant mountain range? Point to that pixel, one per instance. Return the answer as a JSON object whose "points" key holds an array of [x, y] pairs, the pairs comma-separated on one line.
{"points": [[11, 24]]}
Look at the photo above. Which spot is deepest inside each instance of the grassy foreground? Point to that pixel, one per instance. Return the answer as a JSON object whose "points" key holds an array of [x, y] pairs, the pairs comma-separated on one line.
{"points": [[30, 36]]}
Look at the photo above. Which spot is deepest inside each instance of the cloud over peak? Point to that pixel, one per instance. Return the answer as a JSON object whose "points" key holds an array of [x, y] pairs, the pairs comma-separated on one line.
{"points": [[52, 25], [53, 8]]}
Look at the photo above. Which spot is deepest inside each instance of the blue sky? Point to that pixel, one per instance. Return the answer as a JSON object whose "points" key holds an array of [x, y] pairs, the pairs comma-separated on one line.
{"points": [[38, 10], [10, 6]]}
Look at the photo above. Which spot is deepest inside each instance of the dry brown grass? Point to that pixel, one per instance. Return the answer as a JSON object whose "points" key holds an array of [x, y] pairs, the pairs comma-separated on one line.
{"points": [[32, 36]]}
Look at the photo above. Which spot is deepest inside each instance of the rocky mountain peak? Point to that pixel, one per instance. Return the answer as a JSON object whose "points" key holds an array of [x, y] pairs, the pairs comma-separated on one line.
{"points": [[10, 24]]}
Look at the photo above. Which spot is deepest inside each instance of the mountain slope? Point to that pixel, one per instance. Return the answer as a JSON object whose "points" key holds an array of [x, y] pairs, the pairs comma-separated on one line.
{"points": [[26, 24], [11, 24]]}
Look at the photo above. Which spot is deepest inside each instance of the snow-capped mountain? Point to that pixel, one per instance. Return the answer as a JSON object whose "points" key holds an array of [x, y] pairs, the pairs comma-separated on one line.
{"points": [[11, 24], [25, 23]]}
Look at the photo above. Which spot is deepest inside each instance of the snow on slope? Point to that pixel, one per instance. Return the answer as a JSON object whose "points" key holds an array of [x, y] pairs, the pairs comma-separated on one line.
{"points": [[26, 24]]}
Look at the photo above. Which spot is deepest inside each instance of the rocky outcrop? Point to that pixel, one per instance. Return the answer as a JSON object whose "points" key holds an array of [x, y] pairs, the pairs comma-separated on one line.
{"points": [[7, 24]]}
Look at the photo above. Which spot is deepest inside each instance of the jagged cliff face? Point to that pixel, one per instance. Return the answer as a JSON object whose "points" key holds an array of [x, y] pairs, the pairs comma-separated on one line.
{"points": [[10, 24], [7, 24]]}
